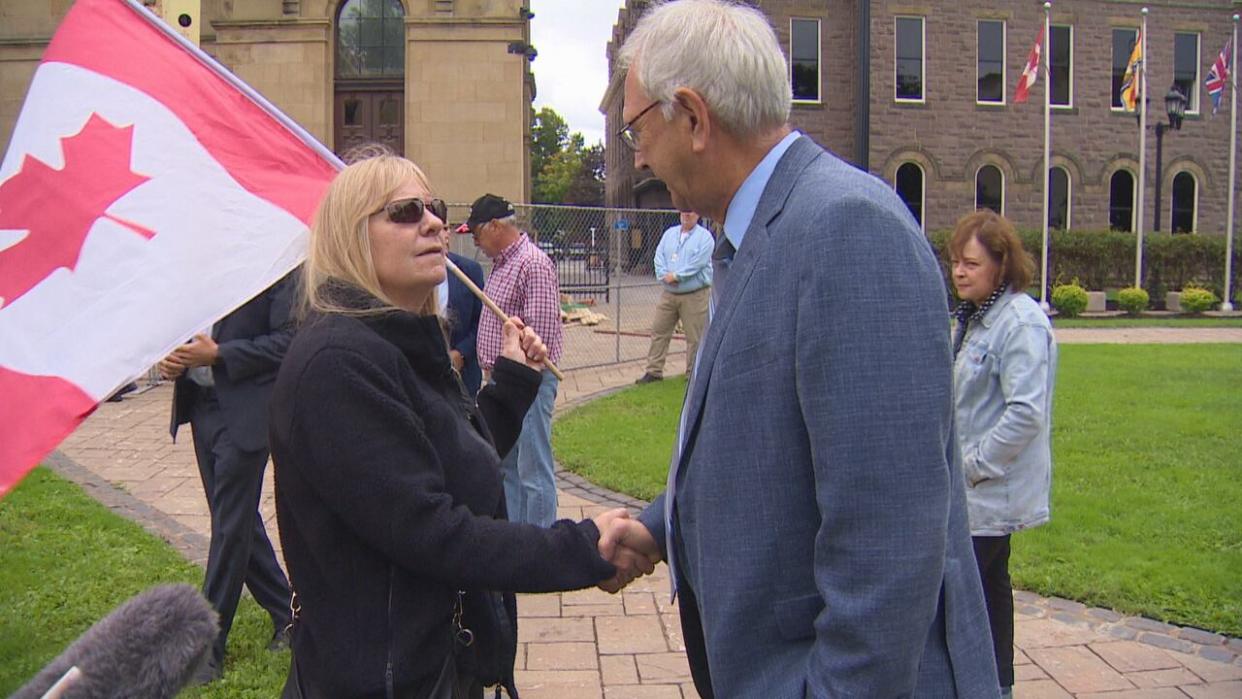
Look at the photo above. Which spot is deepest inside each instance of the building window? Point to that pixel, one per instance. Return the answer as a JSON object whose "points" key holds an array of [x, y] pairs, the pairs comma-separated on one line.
{"points": [[804, 59], [1186, 69], [1121, 201], [1061, 65], [1058, 198], [1185, 199], [909, 187], [370, 39], [909, 63], [990, 189], [990, 70], [1123, 45]]}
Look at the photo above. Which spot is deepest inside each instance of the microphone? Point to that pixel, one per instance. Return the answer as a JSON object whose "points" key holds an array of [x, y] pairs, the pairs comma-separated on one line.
{"points": [[147, 648]]}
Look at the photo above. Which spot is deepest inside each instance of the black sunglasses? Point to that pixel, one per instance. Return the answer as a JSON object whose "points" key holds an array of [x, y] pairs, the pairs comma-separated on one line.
{"points": [[411, 210]]}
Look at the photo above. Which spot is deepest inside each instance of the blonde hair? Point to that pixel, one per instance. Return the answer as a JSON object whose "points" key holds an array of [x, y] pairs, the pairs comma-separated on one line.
{"points": [[340, 248]]}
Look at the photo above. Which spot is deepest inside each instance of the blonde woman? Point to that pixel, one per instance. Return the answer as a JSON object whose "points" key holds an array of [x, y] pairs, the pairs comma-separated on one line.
{"points": [[388, 489]]}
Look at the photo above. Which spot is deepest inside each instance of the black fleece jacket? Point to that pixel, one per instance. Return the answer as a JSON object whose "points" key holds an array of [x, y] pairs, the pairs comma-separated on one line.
{"points": [[389, 500]]}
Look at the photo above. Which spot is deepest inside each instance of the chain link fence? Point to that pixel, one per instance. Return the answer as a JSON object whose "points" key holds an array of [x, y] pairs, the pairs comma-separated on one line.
{"points": [[605, 265]]}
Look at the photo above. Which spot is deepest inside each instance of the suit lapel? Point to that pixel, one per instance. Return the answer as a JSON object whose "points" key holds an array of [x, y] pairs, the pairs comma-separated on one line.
{"points": [[745, 262]]}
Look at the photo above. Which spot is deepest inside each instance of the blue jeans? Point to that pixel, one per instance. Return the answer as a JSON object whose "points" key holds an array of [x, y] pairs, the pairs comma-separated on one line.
{"points": [[530, 486]]}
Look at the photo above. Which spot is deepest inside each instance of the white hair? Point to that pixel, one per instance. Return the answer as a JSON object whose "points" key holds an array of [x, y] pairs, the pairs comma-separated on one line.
{"points": [[725, 51]]}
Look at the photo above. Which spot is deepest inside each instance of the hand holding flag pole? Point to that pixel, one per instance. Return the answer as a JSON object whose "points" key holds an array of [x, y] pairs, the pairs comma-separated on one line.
{"points": [[491, 305]]}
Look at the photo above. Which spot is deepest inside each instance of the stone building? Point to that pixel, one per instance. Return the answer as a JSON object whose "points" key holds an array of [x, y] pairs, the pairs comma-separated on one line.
{"points": [[446, 82], [921, 94]]}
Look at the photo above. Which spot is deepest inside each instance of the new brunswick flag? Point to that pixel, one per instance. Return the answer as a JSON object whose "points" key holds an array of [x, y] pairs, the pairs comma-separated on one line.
{"points": [[1130, 83]]}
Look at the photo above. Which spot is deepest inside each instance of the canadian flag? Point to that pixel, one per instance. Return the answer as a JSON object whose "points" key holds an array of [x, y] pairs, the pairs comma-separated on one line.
{"points": [[145, 194], [1030, 73]]}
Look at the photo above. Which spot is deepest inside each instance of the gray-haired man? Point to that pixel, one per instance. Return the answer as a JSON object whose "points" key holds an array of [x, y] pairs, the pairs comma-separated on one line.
{"points": [[815, 520]]}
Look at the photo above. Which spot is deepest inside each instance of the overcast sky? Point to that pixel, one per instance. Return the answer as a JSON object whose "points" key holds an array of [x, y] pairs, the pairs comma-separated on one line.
{"points": [[571, 71]]}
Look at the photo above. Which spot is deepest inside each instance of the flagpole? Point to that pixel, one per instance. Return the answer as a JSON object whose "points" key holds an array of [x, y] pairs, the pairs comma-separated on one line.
{"points": [[1046, 56], [283, 119], [1142, 173], [1227, 303]]}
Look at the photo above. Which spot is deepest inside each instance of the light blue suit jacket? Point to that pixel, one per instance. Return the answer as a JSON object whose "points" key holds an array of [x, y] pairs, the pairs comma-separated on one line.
{"points": [[820, 497]]}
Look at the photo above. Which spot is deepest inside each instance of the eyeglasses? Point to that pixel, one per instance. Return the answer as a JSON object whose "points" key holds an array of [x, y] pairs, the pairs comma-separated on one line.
{"points": [[411, 210], [627, 133]]}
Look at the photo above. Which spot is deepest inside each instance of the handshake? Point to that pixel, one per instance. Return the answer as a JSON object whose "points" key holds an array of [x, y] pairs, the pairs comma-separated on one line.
{"points": [[627, 544]]}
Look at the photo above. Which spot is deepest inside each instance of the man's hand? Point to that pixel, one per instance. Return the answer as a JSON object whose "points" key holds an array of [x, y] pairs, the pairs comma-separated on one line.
{"points": [[670, 278], [199, 351], [458, 361], [170, 368], [628, 545], [521, 344]]}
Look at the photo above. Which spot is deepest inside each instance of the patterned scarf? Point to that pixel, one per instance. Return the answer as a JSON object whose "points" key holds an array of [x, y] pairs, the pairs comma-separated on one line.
{"points": [[968, 312]]}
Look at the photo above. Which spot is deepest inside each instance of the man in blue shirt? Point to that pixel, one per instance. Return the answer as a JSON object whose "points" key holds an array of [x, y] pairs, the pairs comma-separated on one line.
{"points": [[683, 264]]}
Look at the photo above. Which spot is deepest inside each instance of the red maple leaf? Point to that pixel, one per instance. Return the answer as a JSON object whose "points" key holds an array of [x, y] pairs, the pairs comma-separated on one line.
{"points": [[58, 207]]}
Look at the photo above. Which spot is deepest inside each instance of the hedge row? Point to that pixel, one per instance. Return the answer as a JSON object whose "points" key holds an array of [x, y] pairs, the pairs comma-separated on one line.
{"points": [[1105, 260]]}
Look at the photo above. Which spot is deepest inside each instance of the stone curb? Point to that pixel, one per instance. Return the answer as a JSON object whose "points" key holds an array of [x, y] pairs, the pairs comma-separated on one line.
{"points": [[189, 543]]}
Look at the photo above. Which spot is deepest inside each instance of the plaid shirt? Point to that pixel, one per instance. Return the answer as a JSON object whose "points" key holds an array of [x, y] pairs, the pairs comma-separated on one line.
{"points": [[523, 283]]}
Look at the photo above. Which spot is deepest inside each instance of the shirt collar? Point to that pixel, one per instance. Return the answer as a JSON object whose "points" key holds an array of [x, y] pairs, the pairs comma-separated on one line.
{"points": [[510, 251], [746, 200]]}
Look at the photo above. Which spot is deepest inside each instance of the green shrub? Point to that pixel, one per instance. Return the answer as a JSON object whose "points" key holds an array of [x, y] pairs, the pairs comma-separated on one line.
{"points": [[1105, 259], [1069, 299], [1197, 300], [1133, 300]]}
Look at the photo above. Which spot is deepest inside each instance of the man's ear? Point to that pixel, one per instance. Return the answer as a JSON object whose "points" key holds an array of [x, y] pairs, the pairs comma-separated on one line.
{"points": [[700, 117]]}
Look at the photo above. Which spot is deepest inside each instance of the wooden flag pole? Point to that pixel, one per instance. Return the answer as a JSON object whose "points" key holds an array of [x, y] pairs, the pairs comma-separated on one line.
{"points": [[491, 305]]}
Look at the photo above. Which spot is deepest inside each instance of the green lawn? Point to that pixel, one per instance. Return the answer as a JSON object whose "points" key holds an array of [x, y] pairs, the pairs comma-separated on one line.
{"points": [[1147, 482], [66, 561], [1148, 322]]}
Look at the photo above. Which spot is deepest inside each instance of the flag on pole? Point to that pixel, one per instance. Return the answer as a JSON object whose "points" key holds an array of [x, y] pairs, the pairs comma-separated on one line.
{"points": [[1130, 83], [143, 196], [1218, 75], [1030, 73]]}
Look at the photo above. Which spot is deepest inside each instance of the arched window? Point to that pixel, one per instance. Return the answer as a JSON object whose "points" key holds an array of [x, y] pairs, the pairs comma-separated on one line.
{"points": [[909, 187], [990, 189], [1185, 200], [370, 39], [1121, 201], [1058, 198]]}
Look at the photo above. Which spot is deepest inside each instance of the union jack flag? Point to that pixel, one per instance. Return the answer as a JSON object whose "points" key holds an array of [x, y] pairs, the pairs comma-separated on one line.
{"points": [[1219, 75]]}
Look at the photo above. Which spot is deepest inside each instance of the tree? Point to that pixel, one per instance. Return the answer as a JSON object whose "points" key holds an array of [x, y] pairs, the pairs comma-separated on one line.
{"points": [[549, 135], [563, 170], [587, 186]]}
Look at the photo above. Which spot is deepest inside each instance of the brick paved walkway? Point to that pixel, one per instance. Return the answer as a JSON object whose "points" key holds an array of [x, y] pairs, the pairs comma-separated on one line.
{"points": [[589, 644]]}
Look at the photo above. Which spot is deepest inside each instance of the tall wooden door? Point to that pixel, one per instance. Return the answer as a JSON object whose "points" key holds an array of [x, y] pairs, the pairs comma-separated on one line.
{"points": [[370, 116]]}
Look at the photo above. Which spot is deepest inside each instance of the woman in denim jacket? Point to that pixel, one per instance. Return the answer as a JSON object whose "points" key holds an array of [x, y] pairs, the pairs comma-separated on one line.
{"points": [[1005, 361]]}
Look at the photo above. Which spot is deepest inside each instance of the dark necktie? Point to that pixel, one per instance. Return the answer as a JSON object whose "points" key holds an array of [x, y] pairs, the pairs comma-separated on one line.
{"points": [[722, 259]]}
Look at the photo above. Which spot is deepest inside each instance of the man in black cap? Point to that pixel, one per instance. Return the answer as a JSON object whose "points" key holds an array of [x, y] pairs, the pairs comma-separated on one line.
{"points": [[523, 283]]}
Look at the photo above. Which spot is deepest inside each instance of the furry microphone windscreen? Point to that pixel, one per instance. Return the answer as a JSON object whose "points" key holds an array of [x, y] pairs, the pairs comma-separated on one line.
{"points": [[146, 648]]}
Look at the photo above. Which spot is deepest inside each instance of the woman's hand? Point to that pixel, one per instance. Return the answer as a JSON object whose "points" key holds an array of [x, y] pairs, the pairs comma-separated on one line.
{"points": [[521, 344]]}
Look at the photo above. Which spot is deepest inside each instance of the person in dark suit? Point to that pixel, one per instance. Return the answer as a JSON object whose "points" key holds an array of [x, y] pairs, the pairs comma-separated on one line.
{"points": [[462, 313], [815, 518], [223, 384]]}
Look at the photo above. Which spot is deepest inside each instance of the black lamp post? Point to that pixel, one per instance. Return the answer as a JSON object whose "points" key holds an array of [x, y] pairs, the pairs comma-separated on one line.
{"points": [[1175, 106]]}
